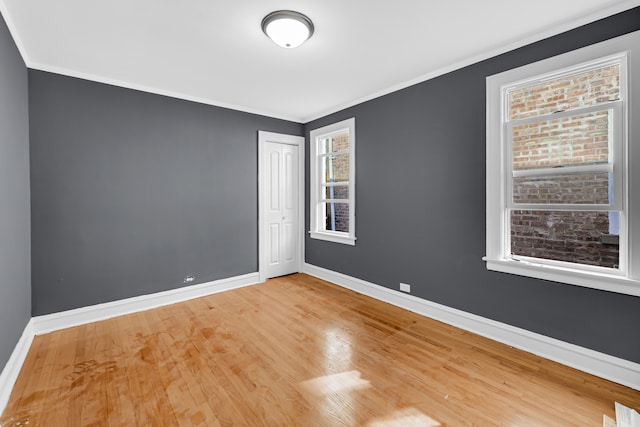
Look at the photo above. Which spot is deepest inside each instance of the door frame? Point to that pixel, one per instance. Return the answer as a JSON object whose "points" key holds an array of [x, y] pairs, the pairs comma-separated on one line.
{"points": [[279, 138]]}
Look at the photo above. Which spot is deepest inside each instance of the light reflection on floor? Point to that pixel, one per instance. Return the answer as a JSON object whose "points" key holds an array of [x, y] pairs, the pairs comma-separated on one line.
{"points": [[340, 383], [337, 351], [337, 383], [408, 417]]}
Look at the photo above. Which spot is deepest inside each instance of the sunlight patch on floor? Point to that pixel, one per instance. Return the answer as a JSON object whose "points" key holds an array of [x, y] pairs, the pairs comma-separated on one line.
{"points": [[408, 417], [337, 351], [336, 383]]}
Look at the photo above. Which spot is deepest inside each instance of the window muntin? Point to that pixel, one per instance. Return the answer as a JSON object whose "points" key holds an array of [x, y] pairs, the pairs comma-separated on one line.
{"points": [[562, 189], [615, 217], [333, 182], [339, 191]]}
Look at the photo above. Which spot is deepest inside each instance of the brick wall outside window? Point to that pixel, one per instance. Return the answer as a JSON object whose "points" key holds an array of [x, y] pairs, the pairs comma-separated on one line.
{"points": [[584, 139], [340, 173]]}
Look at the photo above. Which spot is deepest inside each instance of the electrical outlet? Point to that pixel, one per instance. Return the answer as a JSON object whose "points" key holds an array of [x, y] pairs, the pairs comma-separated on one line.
{"points": [[189, 279], [404, 287]]}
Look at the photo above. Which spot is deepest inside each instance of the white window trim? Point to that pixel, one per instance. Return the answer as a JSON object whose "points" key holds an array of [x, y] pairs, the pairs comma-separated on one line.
{"points": [[315, 192], [627, 281]]}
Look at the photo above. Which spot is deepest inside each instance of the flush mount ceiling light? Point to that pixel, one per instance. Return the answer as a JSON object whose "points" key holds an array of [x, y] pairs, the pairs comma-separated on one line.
{"points": [[287, 28]]}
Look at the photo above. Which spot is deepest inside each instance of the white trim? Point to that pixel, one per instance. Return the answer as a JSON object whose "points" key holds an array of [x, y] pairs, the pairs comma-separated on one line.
{"points": [[279, 138], [588, 279], [336, 237], [564, 170], [559, 115], [592, 362], [560, 207], [157, 91], [11, 370], [81, 316]]}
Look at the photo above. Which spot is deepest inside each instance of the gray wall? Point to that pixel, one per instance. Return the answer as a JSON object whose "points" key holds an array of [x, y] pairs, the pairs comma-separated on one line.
{"points": [[131, 192], [420, 201], [15, 247]]}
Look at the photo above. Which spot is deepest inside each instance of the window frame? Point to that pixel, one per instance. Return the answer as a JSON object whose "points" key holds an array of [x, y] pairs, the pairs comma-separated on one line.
{"points": [[317, 200], [614, 167], [626, 166]]}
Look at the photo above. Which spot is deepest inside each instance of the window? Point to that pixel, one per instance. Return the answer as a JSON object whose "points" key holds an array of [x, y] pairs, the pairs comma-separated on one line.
{"points": [[562, 146], [333, 187]]}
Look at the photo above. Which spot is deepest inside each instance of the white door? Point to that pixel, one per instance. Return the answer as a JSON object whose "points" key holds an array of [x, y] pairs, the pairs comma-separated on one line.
{"points": [[281, 211]]}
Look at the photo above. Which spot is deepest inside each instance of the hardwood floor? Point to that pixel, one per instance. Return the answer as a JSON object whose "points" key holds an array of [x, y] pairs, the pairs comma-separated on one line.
{"points": [[295, 351]]}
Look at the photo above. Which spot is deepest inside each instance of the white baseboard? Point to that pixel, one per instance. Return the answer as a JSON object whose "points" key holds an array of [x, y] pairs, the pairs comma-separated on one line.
{"points": [[80, 316], [602, 365], [11, 370]]}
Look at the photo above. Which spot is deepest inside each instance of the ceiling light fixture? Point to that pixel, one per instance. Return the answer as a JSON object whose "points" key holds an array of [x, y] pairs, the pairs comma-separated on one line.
{"points": [[287, 28]]}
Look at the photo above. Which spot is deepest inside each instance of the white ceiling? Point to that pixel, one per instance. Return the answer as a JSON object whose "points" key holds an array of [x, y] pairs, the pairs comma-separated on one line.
{"points": [[214, 51]]}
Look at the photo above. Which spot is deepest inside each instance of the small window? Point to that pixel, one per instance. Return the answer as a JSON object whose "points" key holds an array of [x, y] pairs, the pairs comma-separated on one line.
{"points": [[332, 192], [559, 197]]}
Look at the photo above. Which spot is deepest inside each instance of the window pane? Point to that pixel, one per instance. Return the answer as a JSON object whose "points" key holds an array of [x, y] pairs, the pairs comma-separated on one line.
{"points": [[335, 143], [336, 216], [336, 192], [566, 93], [570, 141], [336, 168], [579, 237], [583, 188]]}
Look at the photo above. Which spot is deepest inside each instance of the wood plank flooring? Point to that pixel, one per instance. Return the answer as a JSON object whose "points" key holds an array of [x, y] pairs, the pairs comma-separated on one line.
{"points": [[295, 351]]}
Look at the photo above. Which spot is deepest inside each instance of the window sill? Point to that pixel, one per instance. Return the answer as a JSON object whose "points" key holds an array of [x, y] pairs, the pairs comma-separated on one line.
{"points": [[605, 282], [333, 237]]}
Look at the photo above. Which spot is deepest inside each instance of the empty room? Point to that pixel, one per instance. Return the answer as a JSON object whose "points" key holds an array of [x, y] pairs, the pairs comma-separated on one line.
{"points": [[321, 213]]}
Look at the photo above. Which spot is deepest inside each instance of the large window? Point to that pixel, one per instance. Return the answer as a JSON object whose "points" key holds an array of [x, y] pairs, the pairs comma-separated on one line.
{"points": [[332, 192], [561, 155]]}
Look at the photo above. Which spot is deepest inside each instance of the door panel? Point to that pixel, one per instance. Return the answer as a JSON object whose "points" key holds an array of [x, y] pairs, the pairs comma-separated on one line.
{"points": [[287, 249], [274, 247], [274, 180], [289, 174]]}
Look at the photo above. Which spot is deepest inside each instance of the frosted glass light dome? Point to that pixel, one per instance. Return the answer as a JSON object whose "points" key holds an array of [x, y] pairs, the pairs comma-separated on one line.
{"points": [[287, 28]]}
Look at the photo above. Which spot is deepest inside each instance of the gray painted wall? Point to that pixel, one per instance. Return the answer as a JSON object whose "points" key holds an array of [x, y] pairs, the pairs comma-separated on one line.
{"points": [[132, 192], [15, 246], [420, 203]]}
